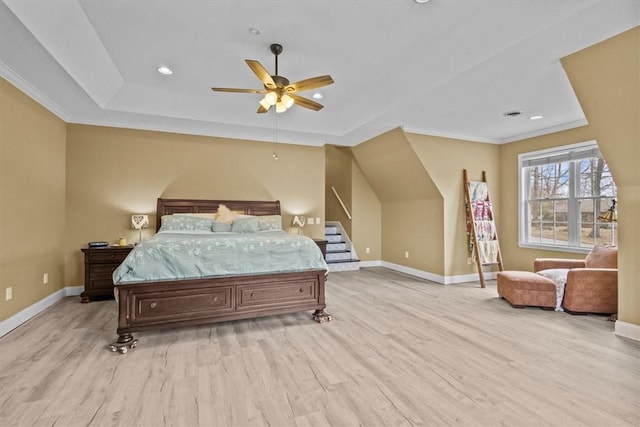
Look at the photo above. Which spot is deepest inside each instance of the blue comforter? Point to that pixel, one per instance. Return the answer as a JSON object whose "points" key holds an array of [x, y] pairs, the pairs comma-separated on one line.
{"points": [[177, 256]]}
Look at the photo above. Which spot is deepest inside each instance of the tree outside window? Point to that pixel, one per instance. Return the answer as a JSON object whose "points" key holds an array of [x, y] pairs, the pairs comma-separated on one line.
{"points": [[563, 192]]}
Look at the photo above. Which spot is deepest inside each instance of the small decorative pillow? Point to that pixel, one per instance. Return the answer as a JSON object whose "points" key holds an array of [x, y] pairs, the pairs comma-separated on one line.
{"points": [[185, 222], [225, 215]]}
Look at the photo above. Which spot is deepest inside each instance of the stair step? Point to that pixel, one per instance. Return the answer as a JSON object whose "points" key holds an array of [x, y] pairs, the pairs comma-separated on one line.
{"points": [[341, 261], [333, 238], [336, 247], [338, 256], [331, 230]]}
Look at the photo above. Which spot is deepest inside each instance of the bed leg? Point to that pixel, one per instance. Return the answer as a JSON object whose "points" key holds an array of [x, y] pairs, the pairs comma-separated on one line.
{"points": [[321, 316], [124, 342]]}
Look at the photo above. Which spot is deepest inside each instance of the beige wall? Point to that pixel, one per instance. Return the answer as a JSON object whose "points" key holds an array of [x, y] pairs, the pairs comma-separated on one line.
{"points": [[414, 226], [606, 79], [411, 205], [447, 176], [367, 218], [32, 200], [338, 164], [112, 173]]}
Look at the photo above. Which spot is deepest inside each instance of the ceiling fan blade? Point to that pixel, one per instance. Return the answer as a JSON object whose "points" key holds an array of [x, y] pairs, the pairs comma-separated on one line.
{"points": [[261, 109], [307, 84], [227, 89], [306, 102], [262, 73]]}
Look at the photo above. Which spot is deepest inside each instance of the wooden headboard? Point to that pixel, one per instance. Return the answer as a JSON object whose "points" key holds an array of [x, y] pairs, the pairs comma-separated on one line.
{"points": [[171, 206]]}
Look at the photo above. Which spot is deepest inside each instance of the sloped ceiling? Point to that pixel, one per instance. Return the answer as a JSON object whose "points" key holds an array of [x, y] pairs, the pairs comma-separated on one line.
{"points": [[393, 169], [446, 67]]}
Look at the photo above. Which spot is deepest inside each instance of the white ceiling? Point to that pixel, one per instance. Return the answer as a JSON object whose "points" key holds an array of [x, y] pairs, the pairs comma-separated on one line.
{"points": [[447, 67]]}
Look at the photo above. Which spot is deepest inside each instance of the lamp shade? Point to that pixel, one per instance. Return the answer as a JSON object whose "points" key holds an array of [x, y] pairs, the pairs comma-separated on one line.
{"points": [[611, 214], [299, 221], [139, 221]]}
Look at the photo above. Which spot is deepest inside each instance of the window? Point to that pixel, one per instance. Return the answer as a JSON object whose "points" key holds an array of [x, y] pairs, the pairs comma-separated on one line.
{"points": [[563, 191]]}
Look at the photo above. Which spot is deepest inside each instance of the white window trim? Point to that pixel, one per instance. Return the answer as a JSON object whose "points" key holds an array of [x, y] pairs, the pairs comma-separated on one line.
{"points": [[522, 226]]}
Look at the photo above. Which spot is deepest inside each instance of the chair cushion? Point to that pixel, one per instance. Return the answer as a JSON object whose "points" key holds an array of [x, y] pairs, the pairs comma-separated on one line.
{"points": [[602, 257]]}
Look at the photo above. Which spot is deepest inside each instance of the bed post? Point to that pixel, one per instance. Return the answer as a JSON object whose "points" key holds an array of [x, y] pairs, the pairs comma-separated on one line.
{"points": [[321, 316]]}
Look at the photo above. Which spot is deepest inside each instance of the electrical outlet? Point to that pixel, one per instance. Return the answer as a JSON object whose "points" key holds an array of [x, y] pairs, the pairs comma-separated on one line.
{"points": [[469, 260], [317, 220], [367, 250], [310, 221], [45, 278], [8, 293], [406, 254]]}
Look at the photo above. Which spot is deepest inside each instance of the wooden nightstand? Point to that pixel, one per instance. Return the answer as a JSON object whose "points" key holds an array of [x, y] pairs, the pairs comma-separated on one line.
{"points": [[323, 246], [99, 264]]}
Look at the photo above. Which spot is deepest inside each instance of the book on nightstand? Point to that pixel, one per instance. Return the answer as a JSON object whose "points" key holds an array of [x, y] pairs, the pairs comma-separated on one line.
{"points": [[98, 244]]}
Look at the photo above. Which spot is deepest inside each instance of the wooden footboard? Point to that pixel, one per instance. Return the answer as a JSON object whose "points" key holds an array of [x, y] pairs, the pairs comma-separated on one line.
{"points": [[171, 304]]}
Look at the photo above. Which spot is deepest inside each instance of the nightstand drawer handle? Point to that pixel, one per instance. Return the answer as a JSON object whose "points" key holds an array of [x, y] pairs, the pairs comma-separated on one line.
{"points": [[153, 305], [215, 299], [113, 256]]}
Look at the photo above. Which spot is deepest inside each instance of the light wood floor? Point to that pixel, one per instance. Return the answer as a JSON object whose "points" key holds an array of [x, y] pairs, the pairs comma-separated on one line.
{"points": [[400, 351]]}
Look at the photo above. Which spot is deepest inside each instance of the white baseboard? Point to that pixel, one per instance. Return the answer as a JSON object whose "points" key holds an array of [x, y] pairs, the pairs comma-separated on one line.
{"points": [[414, 272], [376, 263], [21, 317], [443, 280], [627, 330]]}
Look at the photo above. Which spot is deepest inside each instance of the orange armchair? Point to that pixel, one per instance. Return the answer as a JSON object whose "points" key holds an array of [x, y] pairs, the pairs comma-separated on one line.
{"points": [[592, 283]]}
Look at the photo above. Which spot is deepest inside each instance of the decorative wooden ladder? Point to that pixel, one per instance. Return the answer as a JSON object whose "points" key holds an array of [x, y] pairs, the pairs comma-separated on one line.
{"points": [[482, 236]]}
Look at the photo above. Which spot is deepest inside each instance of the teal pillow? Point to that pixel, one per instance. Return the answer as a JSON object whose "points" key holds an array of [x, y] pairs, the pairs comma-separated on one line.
{"points": [[185, 223], [245, 225], [257, 223], [220, 227], [270, 223]]}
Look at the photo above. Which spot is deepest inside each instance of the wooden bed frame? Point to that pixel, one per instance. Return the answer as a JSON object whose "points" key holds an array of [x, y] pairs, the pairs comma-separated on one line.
{"points": [[175, 303]]}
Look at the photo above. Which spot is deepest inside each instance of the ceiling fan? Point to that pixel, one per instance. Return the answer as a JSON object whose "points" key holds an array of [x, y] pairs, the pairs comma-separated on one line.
{"points": [[277, 89]]}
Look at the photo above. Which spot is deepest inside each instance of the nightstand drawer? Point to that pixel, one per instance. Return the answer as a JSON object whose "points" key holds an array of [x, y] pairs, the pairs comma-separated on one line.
{"points": [[102, 271], [107, 257]]}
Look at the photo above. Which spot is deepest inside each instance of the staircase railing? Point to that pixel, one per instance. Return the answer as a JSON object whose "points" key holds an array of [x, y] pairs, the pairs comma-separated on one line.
{"points": [[344, 208]]}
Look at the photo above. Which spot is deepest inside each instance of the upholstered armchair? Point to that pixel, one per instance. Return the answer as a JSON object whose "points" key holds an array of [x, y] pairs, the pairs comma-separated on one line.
{"points": [[591, 284]]}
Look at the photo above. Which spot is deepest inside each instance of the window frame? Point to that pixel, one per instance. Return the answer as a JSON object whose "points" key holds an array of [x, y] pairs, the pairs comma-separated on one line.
{"points": [[570, 153]]}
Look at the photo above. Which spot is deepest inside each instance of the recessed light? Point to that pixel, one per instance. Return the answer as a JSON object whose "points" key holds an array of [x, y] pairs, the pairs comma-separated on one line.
{"points": [[317, 95], [254, 31], [421, 1], [512, 113], [165, 70], [536, 117]]}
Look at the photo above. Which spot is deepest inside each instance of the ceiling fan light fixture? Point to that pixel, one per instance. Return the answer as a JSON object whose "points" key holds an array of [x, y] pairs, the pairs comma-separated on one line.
{"points": [[271, 98], [281, 107], [265, 104], [288, 101]]}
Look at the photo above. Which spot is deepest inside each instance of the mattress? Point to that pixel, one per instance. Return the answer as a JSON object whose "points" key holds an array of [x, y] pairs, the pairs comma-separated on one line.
{"points": [[181, 255]]}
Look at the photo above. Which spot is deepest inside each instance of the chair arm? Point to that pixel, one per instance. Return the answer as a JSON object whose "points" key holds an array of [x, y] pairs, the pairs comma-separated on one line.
{"points": [[548, 263], [603, 277], [591, 290]]}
